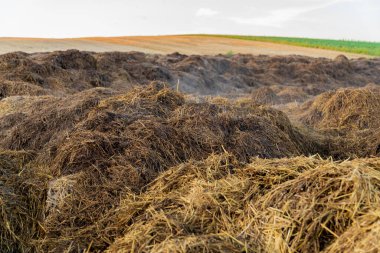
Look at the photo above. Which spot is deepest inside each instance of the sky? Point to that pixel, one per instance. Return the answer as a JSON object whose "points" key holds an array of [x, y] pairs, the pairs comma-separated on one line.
{"points": [[335, 19]]}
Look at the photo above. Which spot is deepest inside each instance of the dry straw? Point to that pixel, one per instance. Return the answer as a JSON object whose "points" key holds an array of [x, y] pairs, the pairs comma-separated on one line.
{"points": [[287, 205], [148, 171]]}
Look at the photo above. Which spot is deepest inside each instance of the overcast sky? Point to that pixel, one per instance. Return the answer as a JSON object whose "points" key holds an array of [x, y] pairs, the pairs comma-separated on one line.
{"points": [[339, 19]]}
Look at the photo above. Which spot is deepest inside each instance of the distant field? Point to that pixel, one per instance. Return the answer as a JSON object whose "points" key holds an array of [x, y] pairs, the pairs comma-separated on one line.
{"points": [[358, 47], [184, 44]]}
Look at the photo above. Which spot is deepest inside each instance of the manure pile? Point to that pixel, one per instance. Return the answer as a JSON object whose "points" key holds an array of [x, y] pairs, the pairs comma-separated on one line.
{"points": [[350, 116], [289, 77], [98, 153]]}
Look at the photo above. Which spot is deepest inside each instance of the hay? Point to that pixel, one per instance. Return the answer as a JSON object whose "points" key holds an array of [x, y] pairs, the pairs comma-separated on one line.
{"points": [[344, 109], [292, 94], [23, 104], [15, 109], [100, 175], [219, 205], [308, 213], [77, 206], [72, 59], [21, 202], [196, 207], [154, 129], [12, 88], [350, 117], [146, 170], [265, 96], [364, 143], [96, 145], [362, 236], [48, 118]]}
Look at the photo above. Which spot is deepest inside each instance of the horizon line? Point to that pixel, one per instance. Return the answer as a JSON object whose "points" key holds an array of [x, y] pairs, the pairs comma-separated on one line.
{"points": [[184, 34]]}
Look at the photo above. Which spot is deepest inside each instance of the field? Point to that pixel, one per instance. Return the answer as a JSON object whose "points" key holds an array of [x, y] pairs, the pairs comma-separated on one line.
{"points": [[185, 44], [351, 46], [139, 152]]}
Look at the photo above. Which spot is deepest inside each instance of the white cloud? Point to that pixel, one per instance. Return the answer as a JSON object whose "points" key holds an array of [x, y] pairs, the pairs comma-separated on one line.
{"points": [[277, 18], [206, 12]]}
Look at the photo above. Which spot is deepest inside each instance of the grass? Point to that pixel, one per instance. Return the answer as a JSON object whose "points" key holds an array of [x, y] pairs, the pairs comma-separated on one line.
{"points": [[230, 53], [351, 46]]}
